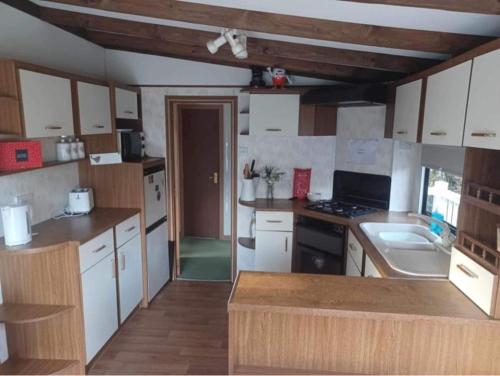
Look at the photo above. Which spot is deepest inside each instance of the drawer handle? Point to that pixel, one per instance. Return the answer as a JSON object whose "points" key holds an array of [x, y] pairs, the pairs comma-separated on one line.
{"points": [[102, 247], [439, 133], [352, 247], [130, 229], [483, 134], [402, 132], [274, 129], [100, 126], [53, 127], [273, 221], [128, 112], [466, 271]]}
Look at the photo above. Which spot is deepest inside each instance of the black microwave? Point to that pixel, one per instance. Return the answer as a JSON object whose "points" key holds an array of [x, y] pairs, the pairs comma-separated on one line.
{"points": [[131, 145]]}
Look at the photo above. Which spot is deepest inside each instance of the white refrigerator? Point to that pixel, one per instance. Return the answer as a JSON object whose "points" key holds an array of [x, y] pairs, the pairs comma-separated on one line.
{"points": [[156, 231]]}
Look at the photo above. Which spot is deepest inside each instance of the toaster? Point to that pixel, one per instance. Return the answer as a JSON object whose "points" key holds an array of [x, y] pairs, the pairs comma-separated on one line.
{"points": [[81, 201]]}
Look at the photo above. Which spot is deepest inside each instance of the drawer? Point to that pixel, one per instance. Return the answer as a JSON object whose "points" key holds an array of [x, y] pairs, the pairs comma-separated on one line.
{"points": [[473, 280], [127, 230], [96, 249], [355, 250], [274, 221]]}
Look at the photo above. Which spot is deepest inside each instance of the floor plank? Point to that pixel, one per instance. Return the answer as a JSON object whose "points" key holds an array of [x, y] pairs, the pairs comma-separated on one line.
{"points": [[184, 331]]}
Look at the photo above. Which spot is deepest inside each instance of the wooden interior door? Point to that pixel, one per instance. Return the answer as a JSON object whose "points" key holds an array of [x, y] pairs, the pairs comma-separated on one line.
{"points": [[200, 136]]}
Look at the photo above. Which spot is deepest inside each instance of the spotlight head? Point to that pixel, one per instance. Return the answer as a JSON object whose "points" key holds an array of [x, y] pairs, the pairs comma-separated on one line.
{"points": [[214, 45]]}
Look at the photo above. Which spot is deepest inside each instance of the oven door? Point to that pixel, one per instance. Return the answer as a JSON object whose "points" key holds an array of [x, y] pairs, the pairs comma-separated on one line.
{"points": [[314, 261]]}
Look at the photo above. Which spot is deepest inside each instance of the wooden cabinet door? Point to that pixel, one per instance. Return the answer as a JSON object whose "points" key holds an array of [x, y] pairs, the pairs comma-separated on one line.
{"points": [[95, 109], [351, 269], [370, 269], [47, 105], [126, 104], [482, 127], [100, 311], [445, 106], [274, 114], [273, 251], [129, 276], [407, 111]]}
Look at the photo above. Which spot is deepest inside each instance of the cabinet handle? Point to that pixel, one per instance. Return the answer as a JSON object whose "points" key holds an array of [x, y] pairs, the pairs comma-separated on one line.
{"points": [[274, 129], [53, 127], [102, 247], [286, 244], [123, 261], [438, 133], [113, 268], [273, 221], [483, 134], [130, 229], [402, 132], [128, 112], [352, 247], [100, 126], [466, 271]]}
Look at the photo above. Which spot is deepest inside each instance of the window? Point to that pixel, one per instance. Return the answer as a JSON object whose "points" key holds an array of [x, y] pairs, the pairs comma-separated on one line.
{"points": [[441, 195]]}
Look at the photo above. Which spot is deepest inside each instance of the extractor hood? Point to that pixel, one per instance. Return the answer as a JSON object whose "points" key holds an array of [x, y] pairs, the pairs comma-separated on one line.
{"points": [[347, 95]]}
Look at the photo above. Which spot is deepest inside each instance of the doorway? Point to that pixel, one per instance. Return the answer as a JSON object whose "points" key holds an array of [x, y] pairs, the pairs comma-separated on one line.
{"points": [[201, 158]]}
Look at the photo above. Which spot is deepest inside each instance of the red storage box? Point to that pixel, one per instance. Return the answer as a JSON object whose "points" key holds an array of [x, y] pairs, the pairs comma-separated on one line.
{"points": [[19, 155]]}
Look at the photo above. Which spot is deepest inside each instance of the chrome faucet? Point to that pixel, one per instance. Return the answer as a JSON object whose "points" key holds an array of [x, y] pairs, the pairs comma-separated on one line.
{"points": [[447, 237]]}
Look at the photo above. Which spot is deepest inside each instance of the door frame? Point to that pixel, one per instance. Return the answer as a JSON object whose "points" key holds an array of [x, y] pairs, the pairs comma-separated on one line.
{"points": [[174, 186]]}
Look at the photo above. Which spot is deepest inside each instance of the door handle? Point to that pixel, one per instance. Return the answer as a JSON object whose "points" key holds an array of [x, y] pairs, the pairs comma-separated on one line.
{"points": [[123, 261], [286, 244], [215, 178], [113, 268]]}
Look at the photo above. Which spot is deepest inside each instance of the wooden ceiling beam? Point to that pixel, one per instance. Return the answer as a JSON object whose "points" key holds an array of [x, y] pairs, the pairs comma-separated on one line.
{"points": [[467, 6], [224, 56], [305, 52], [381, 36]]}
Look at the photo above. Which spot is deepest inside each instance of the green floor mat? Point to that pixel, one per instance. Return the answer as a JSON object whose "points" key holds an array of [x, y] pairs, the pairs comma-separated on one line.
{"points": [[205, 259]]}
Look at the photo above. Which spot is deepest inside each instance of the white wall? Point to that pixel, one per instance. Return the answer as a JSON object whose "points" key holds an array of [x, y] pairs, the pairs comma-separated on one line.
{"points": [[27, 38]]}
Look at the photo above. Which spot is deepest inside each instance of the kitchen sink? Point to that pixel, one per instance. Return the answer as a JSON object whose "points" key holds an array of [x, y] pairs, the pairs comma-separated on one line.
{"points": [[409, 248]]}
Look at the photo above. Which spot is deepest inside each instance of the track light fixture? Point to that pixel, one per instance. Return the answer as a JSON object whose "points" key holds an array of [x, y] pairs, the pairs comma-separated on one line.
{"points": [[237, 42]]}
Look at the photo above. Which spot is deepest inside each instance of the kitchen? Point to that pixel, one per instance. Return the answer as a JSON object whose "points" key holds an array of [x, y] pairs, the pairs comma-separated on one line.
{"points": [[426, 144]]}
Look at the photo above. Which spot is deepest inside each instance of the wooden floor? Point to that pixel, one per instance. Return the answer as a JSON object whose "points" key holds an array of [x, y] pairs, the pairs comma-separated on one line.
{"points": [[184, 331]]}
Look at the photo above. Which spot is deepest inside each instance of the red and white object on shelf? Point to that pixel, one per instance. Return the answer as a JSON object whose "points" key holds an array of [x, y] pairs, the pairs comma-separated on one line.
{"points": [[301, 182], [20, 155]]}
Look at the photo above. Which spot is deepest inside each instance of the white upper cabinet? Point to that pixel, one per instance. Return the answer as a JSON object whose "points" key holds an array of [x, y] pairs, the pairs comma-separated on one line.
{"points": [[126, 104], [47, 105], [407, 111], [482, 126], [274, 114], [446, 105], [95, 109]]}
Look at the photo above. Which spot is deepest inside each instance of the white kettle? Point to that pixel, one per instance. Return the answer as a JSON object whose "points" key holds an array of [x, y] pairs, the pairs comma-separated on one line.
{"points": [[16, 221]]}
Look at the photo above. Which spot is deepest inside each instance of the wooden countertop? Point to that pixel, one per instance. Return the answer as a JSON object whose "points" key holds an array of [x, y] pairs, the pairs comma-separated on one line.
{"points": [[76, 229], [298, 208], [325, 294]]}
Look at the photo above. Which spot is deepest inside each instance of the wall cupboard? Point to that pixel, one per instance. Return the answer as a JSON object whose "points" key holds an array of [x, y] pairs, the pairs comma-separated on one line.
{"points": [[482, 126], [445, 106], [407, 111], [126, 104], [274, 114], [47, 105], [94, 108]]}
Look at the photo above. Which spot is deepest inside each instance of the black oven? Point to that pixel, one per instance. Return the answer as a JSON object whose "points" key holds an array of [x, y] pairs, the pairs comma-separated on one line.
{"points": [[131, 145], [319, 247]]}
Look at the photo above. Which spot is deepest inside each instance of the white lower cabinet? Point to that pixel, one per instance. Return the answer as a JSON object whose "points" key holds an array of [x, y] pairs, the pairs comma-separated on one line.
{"points": [[129, 276], [370, 268], [351, 269], [273, 251], [100, 309]]}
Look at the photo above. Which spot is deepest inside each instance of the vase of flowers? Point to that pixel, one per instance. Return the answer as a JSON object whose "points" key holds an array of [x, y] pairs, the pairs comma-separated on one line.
{"points": [[271, 175]]}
